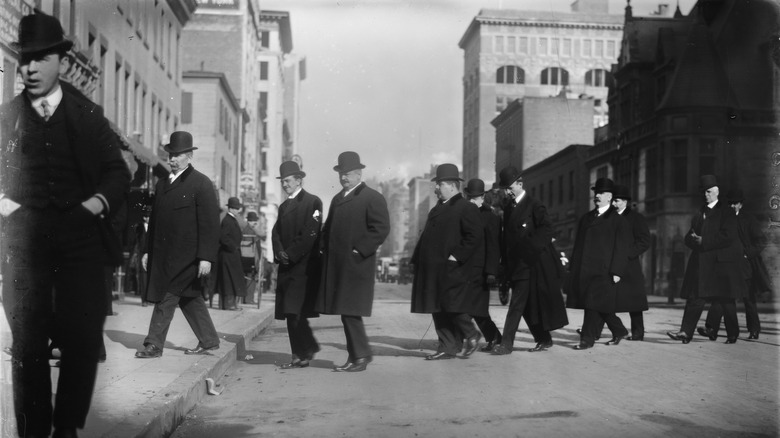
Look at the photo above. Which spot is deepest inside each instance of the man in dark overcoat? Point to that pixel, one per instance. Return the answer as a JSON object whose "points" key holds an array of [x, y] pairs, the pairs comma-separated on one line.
{"points": [[713, 272], [296, 238], [753, 241], [448, 263], [599, 262], [230, 282], [491, 223], [62, 177], [529, 266], [182, 246], [358, 222]]}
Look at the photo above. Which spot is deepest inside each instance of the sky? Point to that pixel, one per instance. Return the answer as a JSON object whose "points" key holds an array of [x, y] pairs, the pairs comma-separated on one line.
{"points": [[384, 79]]}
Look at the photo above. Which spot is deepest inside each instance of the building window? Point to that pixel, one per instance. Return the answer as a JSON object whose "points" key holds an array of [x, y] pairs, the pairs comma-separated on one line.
{"points": [[510, 74], [586, 47], [264, 39], [566, 49], [598, 78], [652, 173], [602, 172], [498, 46], [264, 70], [611, 49], [599, 52], [542, 46], [186, 107], [550, 192], [708, 158], [571, 185], [522, 44], [511, 44], [679, 170], [555, 76], [554, 44], [560, 189]]}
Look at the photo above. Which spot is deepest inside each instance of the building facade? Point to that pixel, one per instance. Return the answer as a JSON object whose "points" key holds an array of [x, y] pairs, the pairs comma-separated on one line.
{"points": [[510, 54]]}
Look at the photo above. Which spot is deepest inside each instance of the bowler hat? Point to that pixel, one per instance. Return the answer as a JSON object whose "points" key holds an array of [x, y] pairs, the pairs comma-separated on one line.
{"points": [[475, 187], [348, 161], [40, 32], [290, 168], [621, 192], [180, 142], [734, 196], [604, 185], [707, 182], [234, 202], [447, 172], [252, 217], [507, 176]]}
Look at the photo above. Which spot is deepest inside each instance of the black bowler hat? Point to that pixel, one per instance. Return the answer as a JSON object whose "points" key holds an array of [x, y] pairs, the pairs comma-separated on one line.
{"points": [[252, 217], [40, 32], [621, 192], [234, 202], [348, 161], [734, 196], [507, 176], [447, 172], [475, 187], [707, 182], [180, 142], [290, 168], [604, 185]]}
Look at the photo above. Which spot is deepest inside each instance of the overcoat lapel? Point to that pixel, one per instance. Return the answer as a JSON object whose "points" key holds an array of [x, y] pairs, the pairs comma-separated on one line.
{"points": [[169, 186]]}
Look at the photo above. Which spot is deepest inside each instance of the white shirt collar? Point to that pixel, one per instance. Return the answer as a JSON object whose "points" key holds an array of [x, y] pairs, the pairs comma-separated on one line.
{"points": [[621, 211], [53, 99], [172, 176], [712, 204], [519, 198], [603, 209], [295, 193], [352, 189]]}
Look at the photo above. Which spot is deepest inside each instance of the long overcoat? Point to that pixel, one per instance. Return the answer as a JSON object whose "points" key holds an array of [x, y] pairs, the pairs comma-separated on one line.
{"points": [[230, 273], [297, 232], [183, 230], [453, 229], [600, 251], [753, 241], [529, 255], [491, 224], [714, 268], [359, 222], [631, 289]]}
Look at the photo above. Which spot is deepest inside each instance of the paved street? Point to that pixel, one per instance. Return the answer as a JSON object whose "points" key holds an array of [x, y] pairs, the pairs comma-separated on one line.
{"points": [[653, 388]]}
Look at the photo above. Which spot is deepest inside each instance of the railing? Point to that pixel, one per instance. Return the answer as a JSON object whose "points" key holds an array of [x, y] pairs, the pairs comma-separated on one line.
{"points": [[82, 74]]}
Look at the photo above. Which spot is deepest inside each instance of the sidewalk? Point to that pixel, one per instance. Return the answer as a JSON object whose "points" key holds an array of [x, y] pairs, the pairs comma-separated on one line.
{"points": [[149, 397]]}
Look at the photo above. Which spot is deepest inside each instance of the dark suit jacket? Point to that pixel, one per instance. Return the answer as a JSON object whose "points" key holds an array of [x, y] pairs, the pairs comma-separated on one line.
{"points": [[631, 289], [297, 232], [359, 221], [527, 232], [183, 230], [229, 271], [753, 241], [453, 229]]}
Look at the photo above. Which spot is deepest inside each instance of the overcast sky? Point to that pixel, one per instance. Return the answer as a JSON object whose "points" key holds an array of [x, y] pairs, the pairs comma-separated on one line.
{"points": [[384, 80]]}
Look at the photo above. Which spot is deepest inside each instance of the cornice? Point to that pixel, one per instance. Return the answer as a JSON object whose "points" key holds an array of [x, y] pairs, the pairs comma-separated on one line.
{"points": [[553, 24]]}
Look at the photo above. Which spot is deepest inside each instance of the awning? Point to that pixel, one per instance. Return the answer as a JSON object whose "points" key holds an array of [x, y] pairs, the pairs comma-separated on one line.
{"points": [[143, 154]]}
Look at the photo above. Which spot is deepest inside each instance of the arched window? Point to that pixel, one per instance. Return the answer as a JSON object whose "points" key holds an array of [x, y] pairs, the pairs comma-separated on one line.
{"points": [[510, 74], [598, 78], [555, 76]]}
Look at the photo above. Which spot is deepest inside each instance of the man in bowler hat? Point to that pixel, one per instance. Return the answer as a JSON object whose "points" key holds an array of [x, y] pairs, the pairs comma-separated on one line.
{"points": [[230, 282], [62, 176], [182, 246], [713, 272], [296, 238], [448, 263], [530, 266], [358, 222]]}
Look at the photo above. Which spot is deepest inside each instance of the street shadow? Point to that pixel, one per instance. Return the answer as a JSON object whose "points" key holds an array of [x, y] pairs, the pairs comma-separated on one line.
{"points": [[133, 341], [278, 359]]}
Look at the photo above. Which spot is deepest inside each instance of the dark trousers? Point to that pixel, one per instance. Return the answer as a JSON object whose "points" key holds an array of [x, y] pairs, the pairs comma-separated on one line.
{"points": [[53, 283], [715, 314], [521, 289], [452, 329], [637, 325], [488, 328], [194, 310], [357, 340], [302, 342], [593, 319], [695, 306]]}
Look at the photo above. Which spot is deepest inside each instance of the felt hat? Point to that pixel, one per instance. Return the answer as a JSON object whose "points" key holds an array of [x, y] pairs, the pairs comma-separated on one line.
{"points": [[475, 187], [447, 172], [234, 202], [252, 217], [707, 182], [40, 32], [348, 161], [604, 185], [507, 176], [734, 196], [621, 192], [289, 168], [180, 142]]}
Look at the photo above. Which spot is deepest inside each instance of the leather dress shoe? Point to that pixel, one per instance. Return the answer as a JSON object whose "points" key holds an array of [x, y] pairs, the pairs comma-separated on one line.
{"points": [[151, 351], [579, 332], [472, 344], [582, 346], [488, 348], [679, 336], [615, 340], [753, 335], [354, 365], [500, 350], [295, 363], [439, 356], [67, 432], [707, 333], [731, 341], [200, 349], [541, 346], [635, 338]]}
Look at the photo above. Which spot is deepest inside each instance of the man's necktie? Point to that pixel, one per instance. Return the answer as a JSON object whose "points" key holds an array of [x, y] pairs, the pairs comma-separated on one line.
{"points": [[46, 110]]}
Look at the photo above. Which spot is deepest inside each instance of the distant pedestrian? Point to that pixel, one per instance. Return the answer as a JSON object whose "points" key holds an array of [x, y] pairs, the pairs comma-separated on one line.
{"points": [[491, 222], [139, 249], [531, 267], [448, 265], [230, 282], [713, 272], [62, 176], [296, 240], [182, 246], [253, 266], [358, 222], [599, 262]]}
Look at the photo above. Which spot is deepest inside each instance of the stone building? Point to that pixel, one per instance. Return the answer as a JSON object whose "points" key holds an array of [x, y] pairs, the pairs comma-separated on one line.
{"points": [[421, 201], [510, 54]]}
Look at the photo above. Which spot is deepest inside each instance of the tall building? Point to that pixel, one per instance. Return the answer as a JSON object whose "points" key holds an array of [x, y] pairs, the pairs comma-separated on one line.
{"points": [[421, 201], [509, 54]]}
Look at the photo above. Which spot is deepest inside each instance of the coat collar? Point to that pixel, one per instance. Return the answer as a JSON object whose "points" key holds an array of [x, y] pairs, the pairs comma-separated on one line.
{"points": [[441, 207], [341, 199], [180, 179], [291, 204]]}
